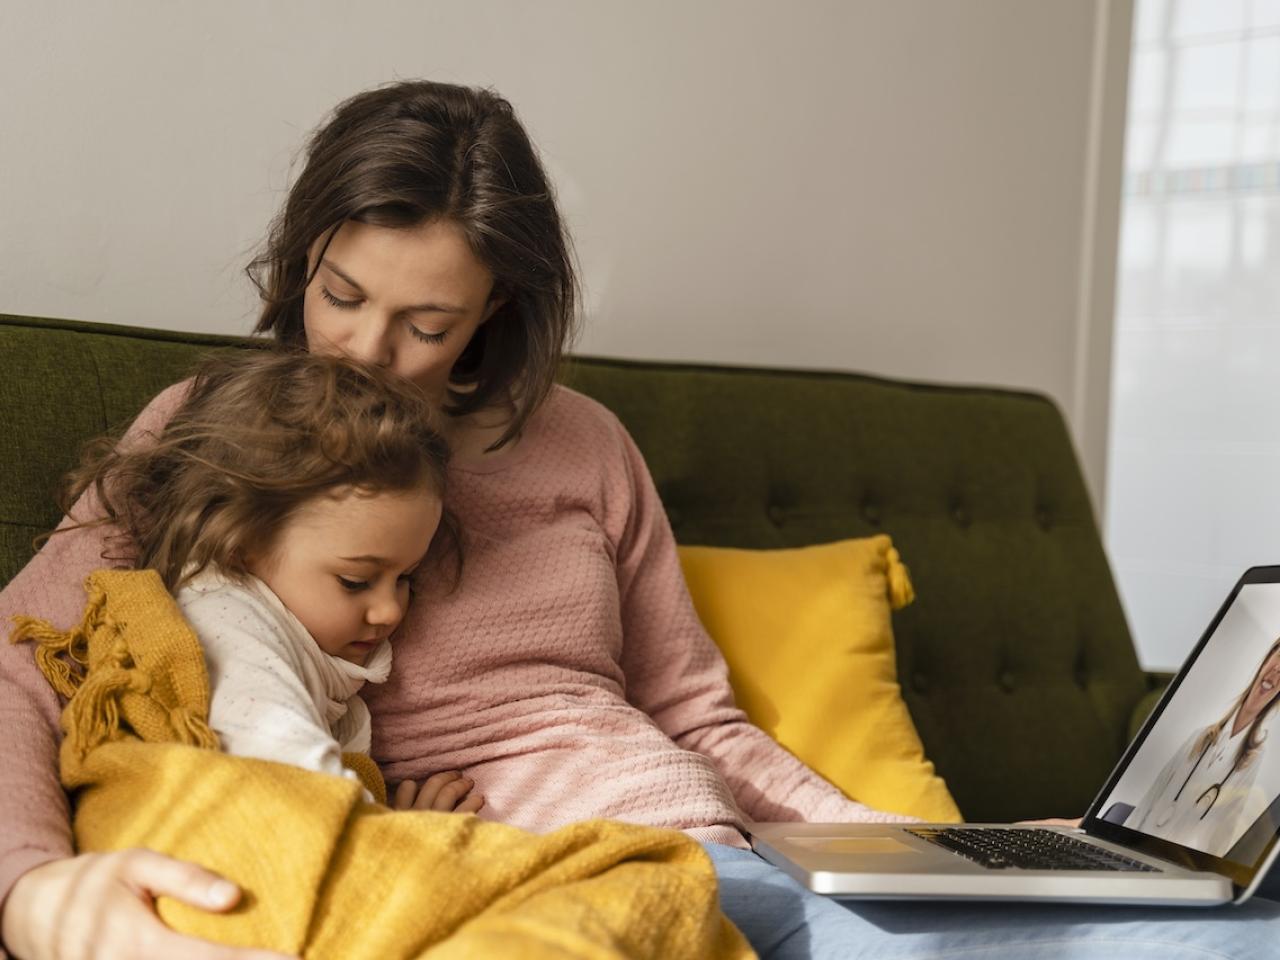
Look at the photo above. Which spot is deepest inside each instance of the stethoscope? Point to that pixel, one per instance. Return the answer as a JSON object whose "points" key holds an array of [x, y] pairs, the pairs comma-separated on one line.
{"points": [[1214, 789]]}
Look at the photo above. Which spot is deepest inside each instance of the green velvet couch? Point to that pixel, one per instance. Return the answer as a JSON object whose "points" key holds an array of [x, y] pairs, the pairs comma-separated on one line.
{"points": [[1015, 660]]}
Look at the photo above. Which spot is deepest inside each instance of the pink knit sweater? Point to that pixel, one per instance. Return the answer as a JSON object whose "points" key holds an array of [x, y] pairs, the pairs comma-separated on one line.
{"points": [[568, 674]]}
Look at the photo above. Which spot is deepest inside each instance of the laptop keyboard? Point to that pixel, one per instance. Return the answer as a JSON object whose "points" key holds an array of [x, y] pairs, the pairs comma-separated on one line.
{"points": [[1002, 849]]}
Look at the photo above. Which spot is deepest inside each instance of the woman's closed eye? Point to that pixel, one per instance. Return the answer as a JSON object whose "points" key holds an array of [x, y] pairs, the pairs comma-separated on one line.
{"points": [[336, 301], [354, 586], [417, 332], [427, 337]]}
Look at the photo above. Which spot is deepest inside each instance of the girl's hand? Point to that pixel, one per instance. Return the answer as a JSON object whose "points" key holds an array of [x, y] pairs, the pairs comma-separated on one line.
{"points": [[448, 792], [100, 906]]}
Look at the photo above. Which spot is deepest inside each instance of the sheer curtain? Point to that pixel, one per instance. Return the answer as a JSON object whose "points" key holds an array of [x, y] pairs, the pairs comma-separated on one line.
{"points": [[1193, 486]]}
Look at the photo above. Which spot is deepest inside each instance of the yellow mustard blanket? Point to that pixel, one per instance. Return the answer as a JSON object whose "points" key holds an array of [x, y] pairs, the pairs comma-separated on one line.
{"points": [[325, 874]]}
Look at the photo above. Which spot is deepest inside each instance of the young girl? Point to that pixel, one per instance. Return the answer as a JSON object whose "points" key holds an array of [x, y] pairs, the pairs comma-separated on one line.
{"points": [[287, 505]]}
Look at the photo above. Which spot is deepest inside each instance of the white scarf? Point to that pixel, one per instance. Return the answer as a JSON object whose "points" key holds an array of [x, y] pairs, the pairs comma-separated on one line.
{"points": [[332, 682]]}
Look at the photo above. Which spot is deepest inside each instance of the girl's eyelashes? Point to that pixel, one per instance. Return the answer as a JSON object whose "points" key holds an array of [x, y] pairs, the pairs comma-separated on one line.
{"points": [[355, 586], [334, 301]]}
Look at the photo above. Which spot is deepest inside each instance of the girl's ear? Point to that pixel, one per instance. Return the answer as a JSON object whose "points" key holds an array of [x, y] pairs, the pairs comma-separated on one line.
{"points": [[242, 561]]}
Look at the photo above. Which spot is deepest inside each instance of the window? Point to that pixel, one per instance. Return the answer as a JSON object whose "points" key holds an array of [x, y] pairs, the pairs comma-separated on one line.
{"points": [[1193, 487]]}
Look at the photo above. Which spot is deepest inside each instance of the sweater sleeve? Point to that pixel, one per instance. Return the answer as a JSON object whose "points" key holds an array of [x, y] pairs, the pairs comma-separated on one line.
{"points": [[259, 705], [34, 817], [675, 673]]}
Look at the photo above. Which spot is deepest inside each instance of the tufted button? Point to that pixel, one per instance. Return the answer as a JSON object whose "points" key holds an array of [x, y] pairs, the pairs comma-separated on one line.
{"points": [[1044, 518], [1081, 672], [919, 682], [1006, 680], [776, 514], [959, 514], [871, 512]]}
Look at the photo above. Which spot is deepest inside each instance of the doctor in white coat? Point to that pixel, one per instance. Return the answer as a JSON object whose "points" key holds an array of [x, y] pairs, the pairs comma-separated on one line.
{"points": [[1207, 796]]}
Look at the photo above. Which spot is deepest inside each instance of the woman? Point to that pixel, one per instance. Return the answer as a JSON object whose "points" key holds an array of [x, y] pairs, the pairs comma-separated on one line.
{"points": [[1206, 796], [568, 676]]}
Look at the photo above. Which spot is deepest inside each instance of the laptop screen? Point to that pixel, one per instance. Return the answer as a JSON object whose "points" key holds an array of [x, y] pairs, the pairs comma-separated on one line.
{"points": [[1201, 784]]}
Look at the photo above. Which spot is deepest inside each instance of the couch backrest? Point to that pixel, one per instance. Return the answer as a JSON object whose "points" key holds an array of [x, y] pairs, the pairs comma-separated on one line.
{"points": [[1015, 659]]}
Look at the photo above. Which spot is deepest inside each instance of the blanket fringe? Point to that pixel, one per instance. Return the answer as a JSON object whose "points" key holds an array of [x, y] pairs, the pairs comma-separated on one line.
{"points": [[193, 730], [93, 715], [62, 656]]}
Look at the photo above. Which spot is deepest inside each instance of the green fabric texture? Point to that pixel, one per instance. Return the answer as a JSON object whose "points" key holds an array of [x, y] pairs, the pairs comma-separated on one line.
{"points": [[1015, 660]]}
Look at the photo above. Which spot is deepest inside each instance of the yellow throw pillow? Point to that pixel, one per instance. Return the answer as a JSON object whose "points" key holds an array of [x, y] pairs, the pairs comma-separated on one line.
{"points": [[808, 639]]}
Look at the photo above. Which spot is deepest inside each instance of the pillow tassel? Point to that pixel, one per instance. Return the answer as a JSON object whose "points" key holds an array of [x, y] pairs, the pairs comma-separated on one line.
{"points": [[901, 592]]}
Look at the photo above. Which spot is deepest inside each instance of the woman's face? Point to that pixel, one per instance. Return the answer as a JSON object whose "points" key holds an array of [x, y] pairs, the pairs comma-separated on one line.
{"points": [[408, 299], [1265, 688]]}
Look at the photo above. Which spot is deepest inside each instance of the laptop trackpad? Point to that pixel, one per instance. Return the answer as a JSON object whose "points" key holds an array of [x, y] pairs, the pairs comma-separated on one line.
{"points": [[851, 844]]}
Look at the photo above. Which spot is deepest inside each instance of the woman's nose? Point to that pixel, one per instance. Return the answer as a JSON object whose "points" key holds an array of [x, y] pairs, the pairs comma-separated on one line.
{"points": [[372, 343]]}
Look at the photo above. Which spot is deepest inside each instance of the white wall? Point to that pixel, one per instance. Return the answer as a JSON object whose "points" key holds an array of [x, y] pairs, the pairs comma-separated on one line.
{"points": [[922, 188]]}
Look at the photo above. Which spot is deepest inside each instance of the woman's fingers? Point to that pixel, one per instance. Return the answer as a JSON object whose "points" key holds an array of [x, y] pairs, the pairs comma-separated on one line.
{"points": [[472, 803], [1049, 822], [99, 907], [158, 875]]}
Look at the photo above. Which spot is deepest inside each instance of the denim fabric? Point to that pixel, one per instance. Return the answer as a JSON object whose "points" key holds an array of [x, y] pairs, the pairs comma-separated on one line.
{"points": [[783, 920]]}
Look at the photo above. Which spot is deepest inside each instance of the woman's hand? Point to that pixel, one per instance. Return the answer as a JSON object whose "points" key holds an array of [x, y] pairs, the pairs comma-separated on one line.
{"points": [[100, 906], [1050, 822], [448, 792]]}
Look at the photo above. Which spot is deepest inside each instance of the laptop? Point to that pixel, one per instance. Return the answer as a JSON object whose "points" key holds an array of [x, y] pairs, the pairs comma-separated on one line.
{"points": [[1190, 815]]}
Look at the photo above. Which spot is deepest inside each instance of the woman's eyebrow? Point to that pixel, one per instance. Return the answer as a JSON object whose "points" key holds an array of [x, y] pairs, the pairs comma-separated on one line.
{"points": [[419, 308]]}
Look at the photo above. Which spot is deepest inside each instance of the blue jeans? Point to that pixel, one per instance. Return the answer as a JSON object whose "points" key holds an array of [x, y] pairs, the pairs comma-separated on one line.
{"points": [[782, 919]]}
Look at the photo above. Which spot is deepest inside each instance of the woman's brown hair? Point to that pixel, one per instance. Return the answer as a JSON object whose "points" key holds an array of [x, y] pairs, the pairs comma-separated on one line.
{"points": [[413, 152], [259, 433]]}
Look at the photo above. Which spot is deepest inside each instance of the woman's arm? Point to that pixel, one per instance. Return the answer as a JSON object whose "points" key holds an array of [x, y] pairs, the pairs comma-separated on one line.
{"points": [[675, 673], [33, 807], [54, 905]]}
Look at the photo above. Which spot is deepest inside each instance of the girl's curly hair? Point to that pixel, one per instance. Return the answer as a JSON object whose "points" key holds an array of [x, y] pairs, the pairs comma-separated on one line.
{"points": [[259, 433]]}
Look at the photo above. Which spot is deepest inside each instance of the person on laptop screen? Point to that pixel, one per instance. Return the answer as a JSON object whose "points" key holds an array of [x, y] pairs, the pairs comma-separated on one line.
{"points": [[1207, 795]]}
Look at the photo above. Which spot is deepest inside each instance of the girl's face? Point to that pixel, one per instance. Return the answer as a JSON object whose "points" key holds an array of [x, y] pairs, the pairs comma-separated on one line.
{"points": [[408, 299], [342, 564]]}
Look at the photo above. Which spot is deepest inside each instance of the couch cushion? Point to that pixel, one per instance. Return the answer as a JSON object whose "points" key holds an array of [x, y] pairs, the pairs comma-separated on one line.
{"points": [[808, 638]]}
